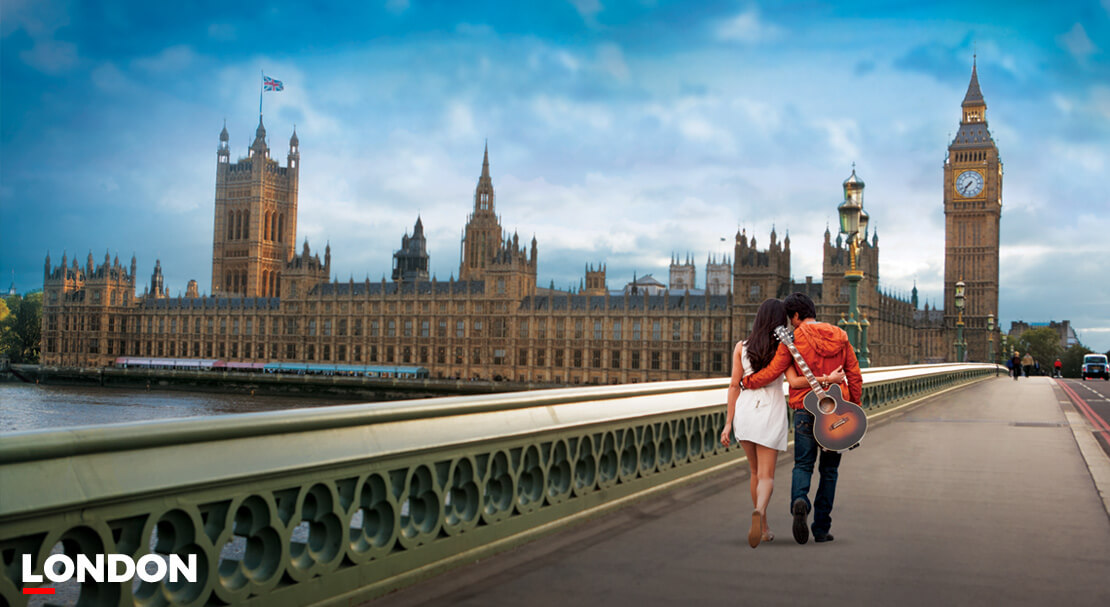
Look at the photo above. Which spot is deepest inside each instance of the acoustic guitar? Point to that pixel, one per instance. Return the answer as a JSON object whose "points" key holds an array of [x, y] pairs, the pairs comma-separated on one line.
{"points": [[838, 424]]}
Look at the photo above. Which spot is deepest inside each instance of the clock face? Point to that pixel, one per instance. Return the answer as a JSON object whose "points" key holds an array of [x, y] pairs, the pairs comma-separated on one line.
{"points": [[969, 184]]}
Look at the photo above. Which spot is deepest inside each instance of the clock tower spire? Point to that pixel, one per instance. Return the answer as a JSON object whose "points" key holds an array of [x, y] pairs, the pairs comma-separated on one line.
{"points": [[972, 210]]}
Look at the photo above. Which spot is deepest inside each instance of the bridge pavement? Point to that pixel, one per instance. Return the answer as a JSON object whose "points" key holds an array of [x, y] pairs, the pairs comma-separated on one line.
{"points": [[978, 496]]}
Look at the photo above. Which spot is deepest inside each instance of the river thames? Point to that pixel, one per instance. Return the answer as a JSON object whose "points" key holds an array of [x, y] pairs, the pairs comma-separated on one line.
{"points": [[36, 407]]}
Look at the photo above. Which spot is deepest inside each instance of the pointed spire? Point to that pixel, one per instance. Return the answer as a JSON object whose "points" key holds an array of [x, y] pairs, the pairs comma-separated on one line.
{"points": [[294, 141], [974, 96], [223, 134], [259, 136], [485, 161]]}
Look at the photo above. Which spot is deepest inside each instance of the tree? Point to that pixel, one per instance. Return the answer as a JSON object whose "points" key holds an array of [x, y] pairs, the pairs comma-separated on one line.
{"points": [[1043, 344], [1073, 358], [21, 330]]}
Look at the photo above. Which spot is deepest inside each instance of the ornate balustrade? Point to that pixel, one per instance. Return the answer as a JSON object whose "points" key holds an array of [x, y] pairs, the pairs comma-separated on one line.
{"points": [[339, 504]]}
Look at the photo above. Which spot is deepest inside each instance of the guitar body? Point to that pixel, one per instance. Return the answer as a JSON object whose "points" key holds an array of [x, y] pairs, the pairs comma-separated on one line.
{"points": [[837, 424]]}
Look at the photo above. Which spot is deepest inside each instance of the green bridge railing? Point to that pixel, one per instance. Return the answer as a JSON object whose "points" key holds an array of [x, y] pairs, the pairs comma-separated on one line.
{"points": [[345, 503]]}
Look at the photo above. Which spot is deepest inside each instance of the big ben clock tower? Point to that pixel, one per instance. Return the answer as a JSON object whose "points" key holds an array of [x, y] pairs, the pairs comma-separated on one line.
{"points": [[972, 209]]}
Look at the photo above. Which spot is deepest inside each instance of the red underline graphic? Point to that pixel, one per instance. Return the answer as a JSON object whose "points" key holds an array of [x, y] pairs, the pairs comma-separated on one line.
{"points": [[38, 591]]}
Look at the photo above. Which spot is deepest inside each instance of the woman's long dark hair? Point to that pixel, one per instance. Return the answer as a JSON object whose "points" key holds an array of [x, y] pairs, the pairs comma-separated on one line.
{"points": [[761, 344]]}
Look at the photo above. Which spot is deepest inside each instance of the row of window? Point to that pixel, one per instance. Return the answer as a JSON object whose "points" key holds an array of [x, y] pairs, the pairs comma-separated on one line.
{"points": [[421, 327], [559, 357], [239, 225], [971, 156]]}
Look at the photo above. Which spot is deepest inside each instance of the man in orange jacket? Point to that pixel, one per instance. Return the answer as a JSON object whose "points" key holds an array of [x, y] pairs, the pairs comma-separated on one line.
{"points": [[825, 348]]}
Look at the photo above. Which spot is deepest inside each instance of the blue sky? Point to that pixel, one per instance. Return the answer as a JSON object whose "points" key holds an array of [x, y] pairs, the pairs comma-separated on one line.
{"points": [[618, 132]]}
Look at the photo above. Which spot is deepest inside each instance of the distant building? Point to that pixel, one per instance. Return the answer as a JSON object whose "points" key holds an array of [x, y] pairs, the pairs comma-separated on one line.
{"points": [[645, 285], [1068, 338]]}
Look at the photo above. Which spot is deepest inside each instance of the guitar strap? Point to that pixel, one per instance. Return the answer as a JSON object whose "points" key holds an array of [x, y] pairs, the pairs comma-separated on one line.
{"points": [[794, 348]]}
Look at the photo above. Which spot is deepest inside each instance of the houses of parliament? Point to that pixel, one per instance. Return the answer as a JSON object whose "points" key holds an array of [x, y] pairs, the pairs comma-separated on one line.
{"points": [[270, 302]]}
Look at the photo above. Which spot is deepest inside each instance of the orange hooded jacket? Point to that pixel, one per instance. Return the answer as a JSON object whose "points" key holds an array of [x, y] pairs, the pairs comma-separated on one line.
{"points": [[824, 348]]}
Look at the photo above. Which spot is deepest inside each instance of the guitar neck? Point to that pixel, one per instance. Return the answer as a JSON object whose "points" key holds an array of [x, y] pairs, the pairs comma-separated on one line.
{"points": [[813, 383]]}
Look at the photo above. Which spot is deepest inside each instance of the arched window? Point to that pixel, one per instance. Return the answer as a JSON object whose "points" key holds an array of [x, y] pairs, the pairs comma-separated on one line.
{"points": [[246, 224], [238, 225], [268, 233], [230, 224], [227, 282], [277, 285], [281, 227]]}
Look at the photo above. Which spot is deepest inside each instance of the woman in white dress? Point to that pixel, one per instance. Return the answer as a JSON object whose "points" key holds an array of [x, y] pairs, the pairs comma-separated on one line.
{"points": [[758, 417]]}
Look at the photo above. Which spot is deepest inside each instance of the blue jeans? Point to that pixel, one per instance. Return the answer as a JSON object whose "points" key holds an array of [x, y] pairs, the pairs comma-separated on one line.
{"points": [[805, 455]]}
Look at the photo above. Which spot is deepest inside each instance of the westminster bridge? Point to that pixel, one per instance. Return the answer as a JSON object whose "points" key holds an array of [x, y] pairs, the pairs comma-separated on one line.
{"points": [[969, 488]]}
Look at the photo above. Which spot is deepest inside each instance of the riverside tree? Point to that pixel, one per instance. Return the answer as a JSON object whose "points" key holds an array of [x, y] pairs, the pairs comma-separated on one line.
{"points": [[21, 329]]}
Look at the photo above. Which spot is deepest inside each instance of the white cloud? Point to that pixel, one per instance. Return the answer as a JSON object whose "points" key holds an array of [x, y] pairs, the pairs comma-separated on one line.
{"points": [[588, 10], [51, 56], [474, 29], [108, 78], [222, 31], [1090, 157], [459, 121], [561, 113], [568, 60], [396, 6], [41, 20], [1076, 42], [1100, 100], [843, 137], [169, 60], [1062, 103], [611, 59], [747, 27]]}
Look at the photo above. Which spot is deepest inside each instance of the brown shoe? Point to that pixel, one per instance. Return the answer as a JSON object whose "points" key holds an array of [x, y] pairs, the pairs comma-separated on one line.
{"points": [[755, 533]]}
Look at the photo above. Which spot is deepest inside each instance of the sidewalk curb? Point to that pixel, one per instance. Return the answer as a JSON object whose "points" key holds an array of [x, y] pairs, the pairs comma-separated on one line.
{"points": [[1098, 464]]}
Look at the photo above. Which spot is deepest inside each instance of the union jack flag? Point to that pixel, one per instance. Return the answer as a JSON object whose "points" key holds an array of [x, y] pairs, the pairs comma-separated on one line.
{"points": [[270, 84]]}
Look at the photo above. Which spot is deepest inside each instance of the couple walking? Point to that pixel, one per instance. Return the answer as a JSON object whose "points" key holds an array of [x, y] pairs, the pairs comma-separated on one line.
{"points": [[758, 419]]}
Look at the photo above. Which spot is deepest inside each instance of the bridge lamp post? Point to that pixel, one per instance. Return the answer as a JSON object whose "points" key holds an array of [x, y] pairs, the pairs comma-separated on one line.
{"points": [[853, 222], [990, 338], [960, 345]]}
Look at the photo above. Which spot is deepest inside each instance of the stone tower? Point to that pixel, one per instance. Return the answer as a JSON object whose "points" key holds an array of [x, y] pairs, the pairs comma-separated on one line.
{"points": [[756, 276], [256, 218], [718, 274], [595, 280], [487, 253], [410, 262], [972, 209], [683, 275], [482, 234], [157, 282]]}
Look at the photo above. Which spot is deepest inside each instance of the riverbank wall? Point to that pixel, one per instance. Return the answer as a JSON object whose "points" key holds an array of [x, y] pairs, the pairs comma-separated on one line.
{"points": [[276, 384]]}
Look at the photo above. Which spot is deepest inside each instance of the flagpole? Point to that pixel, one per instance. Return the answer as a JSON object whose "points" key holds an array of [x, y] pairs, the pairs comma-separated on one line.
{"points": [[261, 83]]}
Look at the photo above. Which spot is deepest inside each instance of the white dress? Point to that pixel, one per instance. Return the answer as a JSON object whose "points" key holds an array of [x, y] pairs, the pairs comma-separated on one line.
{"points": [[761, 413]]}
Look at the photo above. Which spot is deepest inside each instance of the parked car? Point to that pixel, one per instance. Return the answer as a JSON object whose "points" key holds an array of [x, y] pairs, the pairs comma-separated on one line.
{"points": [[1094, 365]]}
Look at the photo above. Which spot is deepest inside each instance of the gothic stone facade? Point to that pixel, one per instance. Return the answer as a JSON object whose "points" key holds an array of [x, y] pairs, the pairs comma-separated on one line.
{"points": [[270, 303]]}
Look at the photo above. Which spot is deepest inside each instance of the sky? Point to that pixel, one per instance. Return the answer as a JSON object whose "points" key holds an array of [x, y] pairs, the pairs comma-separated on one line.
{"points": [[619, 132]]}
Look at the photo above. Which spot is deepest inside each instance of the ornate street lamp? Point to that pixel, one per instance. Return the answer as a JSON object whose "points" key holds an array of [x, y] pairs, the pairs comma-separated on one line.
{"points": [[853, 223], [960, 345], [990, 338]]}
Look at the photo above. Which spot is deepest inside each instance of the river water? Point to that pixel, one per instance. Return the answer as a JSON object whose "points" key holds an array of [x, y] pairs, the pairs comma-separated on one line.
{"points": [[36, 407]]}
